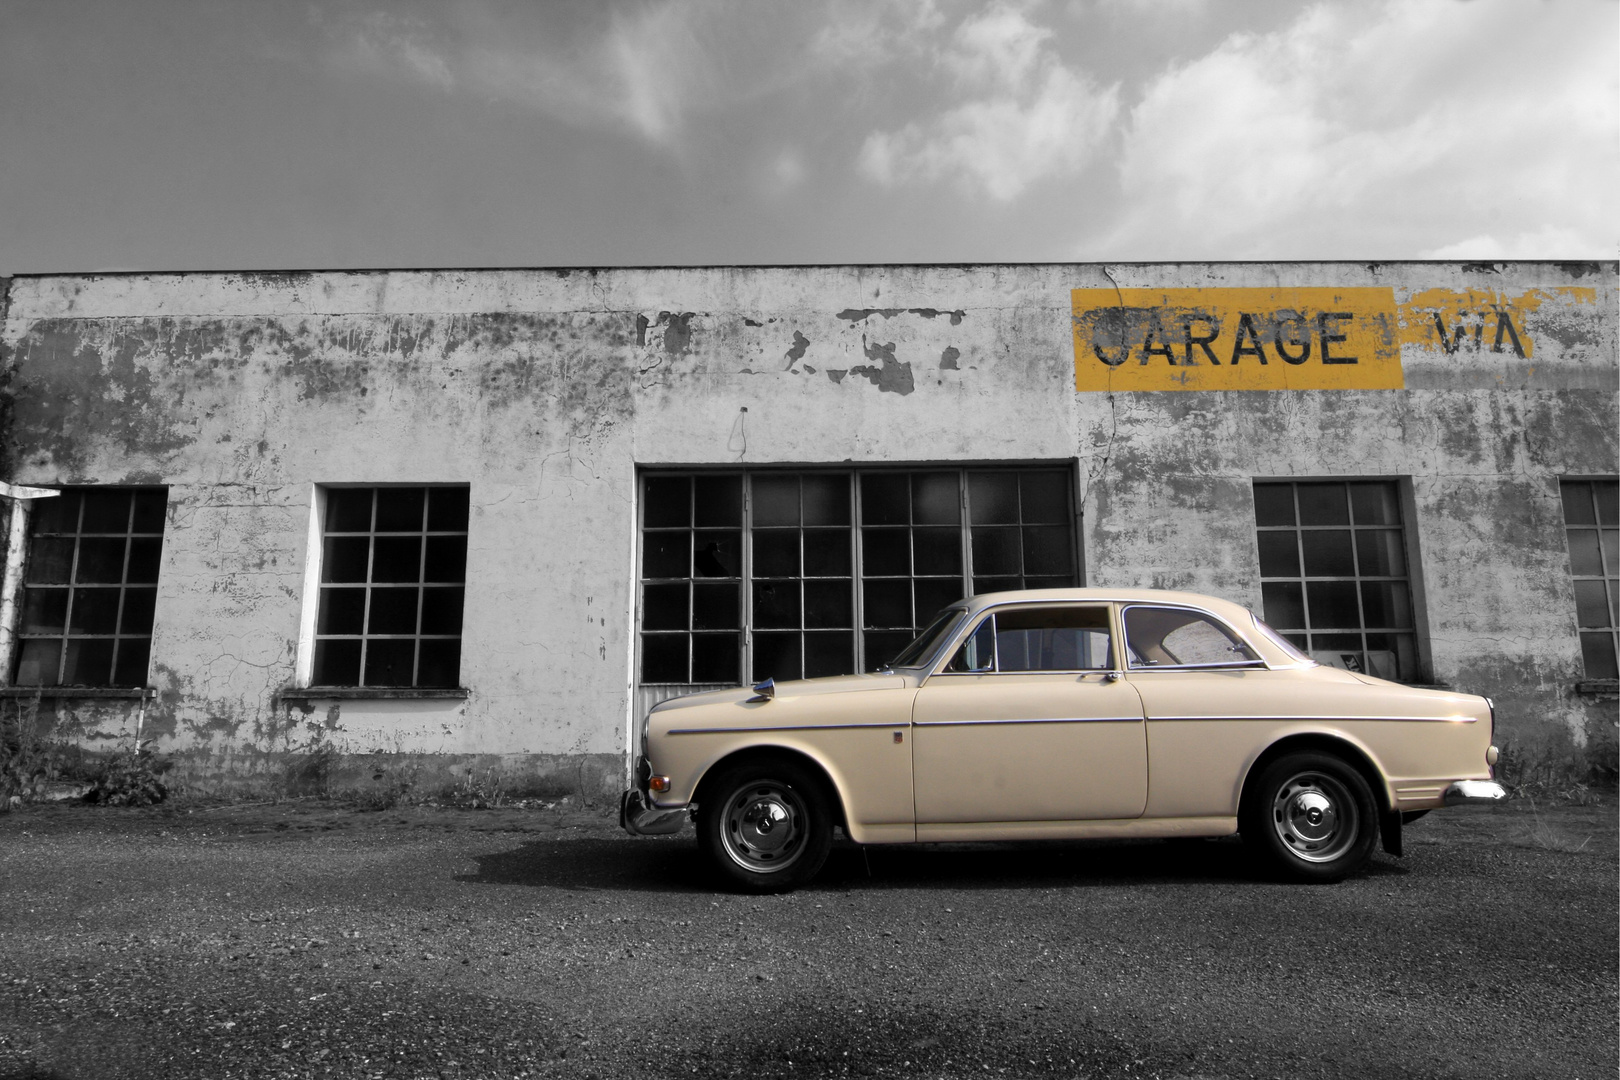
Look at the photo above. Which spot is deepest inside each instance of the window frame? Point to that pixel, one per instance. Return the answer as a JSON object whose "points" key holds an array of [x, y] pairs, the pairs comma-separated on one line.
{"points": [[991, 618], [1256, 661], [1608, 576], [862, 661], [315, 586], [19, 637], [1404, 502]]}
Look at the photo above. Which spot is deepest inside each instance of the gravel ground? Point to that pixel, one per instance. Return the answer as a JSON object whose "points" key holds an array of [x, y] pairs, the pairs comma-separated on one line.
{"points": [[305, 940]]}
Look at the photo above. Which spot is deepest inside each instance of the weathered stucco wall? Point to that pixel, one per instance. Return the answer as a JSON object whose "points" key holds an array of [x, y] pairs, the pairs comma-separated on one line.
{"points": [[546, 390]]}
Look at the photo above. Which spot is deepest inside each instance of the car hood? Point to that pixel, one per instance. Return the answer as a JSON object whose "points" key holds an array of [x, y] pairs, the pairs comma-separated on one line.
{"points": [[793, 688]]}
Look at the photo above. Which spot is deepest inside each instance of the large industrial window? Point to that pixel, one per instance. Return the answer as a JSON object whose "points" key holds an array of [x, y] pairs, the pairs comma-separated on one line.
{"points": [[393, 577], [90, 588], [1334, 574], [800, 574], [1592, 524]]}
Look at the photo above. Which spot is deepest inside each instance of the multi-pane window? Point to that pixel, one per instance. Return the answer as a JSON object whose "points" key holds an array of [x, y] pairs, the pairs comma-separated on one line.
{"points": [[790, 574], [393, 578], [90, 588], [1592, 524], [1334, 573]]}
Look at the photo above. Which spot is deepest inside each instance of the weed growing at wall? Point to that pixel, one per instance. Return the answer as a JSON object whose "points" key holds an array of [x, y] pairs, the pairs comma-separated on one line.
{"points": [[1550, 772], [131, 778], [310, 772], [27, 760]]}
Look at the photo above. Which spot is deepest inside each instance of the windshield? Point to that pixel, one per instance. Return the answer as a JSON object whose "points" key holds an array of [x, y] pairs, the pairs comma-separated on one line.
{"points": [[927, 642], [1281, 642]]}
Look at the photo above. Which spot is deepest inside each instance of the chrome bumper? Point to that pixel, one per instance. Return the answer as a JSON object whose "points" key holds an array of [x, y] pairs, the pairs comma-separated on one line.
{"points": [[1475, 793], [639, 819]]}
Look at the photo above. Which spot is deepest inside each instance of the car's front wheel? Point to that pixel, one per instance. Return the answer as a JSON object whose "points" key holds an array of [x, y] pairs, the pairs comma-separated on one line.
{"points": [[765, 826], [1312, 815]]}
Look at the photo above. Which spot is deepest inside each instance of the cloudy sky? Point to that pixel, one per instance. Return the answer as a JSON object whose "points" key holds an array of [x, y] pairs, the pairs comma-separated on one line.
{"points": [[172, 134]]}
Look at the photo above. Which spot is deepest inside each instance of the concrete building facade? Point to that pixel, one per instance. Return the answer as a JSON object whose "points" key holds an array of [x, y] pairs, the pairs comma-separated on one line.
{"points": [[478, 520]]}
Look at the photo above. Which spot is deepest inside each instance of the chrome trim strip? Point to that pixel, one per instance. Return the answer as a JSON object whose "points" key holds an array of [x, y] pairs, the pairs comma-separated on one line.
{"points": [[1225, 665], [1032, 720], [779, 727], [1339, 718]]}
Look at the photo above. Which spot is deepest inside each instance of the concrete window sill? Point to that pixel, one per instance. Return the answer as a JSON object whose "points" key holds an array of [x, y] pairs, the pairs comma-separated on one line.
{"points": [[129, 693], [351, 693], [1598, 687]]}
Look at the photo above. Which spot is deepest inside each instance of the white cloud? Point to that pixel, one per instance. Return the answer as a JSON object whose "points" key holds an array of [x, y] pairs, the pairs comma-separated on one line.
{"points": [[1360, 131], [855, 32], [644, 69], [1021, 115], [382, 41], [1539, 244]]}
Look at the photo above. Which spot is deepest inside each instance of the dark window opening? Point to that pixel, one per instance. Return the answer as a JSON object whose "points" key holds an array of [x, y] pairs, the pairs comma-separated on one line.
{"points": [[90, 588], [801, 574], [1592, 528], [1334, 577], [393, 582]]}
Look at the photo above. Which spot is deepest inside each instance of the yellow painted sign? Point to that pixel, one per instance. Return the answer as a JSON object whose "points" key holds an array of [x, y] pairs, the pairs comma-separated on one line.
{"points": [[1236, 339], [1468, 321]]}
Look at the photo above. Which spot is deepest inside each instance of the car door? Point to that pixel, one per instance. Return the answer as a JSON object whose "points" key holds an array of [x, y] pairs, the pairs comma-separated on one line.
{"points": [[1205, 693], [1029, 721]]}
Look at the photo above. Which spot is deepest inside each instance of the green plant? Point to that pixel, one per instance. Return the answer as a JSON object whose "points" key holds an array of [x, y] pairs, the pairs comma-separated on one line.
{"points": [[131, 778]]}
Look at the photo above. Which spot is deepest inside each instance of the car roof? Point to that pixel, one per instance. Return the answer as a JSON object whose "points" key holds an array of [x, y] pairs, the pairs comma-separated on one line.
{"points": [[1229, 611]]}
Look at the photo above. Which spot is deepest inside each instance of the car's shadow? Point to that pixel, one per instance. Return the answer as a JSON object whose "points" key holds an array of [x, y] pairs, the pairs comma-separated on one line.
{"points": [[674, 864]]}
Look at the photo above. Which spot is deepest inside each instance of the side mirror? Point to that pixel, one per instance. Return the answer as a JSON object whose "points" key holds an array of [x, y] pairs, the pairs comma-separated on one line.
{"points": [[764, 691]]}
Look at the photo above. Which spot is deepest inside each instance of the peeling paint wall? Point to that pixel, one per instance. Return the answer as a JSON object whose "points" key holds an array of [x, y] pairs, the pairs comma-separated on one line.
{"points": [[546, 390]]}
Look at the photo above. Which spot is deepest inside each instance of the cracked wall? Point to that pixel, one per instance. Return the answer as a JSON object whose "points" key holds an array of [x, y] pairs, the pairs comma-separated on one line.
{"points": [[546, 390]]}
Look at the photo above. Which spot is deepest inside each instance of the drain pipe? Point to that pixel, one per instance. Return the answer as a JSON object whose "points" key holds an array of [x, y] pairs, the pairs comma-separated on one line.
{"points": [[19, 501]]}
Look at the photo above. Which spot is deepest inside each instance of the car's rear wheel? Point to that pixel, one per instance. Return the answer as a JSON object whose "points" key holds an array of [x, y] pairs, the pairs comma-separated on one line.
{"points": [[765, 826], [1312, 815]]}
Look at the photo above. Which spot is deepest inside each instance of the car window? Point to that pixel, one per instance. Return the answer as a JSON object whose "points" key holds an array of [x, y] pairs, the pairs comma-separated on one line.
{"points": [[1166, 637], [1069, 638], [932, 637], [978, 652]]}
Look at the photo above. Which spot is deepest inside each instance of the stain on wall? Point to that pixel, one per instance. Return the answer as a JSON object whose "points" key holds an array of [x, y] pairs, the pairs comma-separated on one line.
{"points": [[546, 391]]}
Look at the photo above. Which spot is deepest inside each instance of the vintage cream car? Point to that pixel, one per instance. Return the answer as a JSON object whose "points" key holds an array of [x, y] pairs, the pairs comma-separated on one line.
{"points": [[1070, 713]]}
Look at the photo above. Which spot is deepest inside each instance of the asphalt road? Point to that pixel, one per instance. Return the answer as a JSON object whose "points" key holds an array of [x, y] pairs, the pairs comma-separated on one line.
{"points": [[306, 940]]}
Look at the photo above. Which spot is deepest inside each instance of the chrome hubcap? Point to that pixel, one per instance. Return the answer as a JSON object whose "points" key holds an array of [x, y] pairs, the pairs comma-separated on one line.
{"points": [[1315, 817], [762, 826]]}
